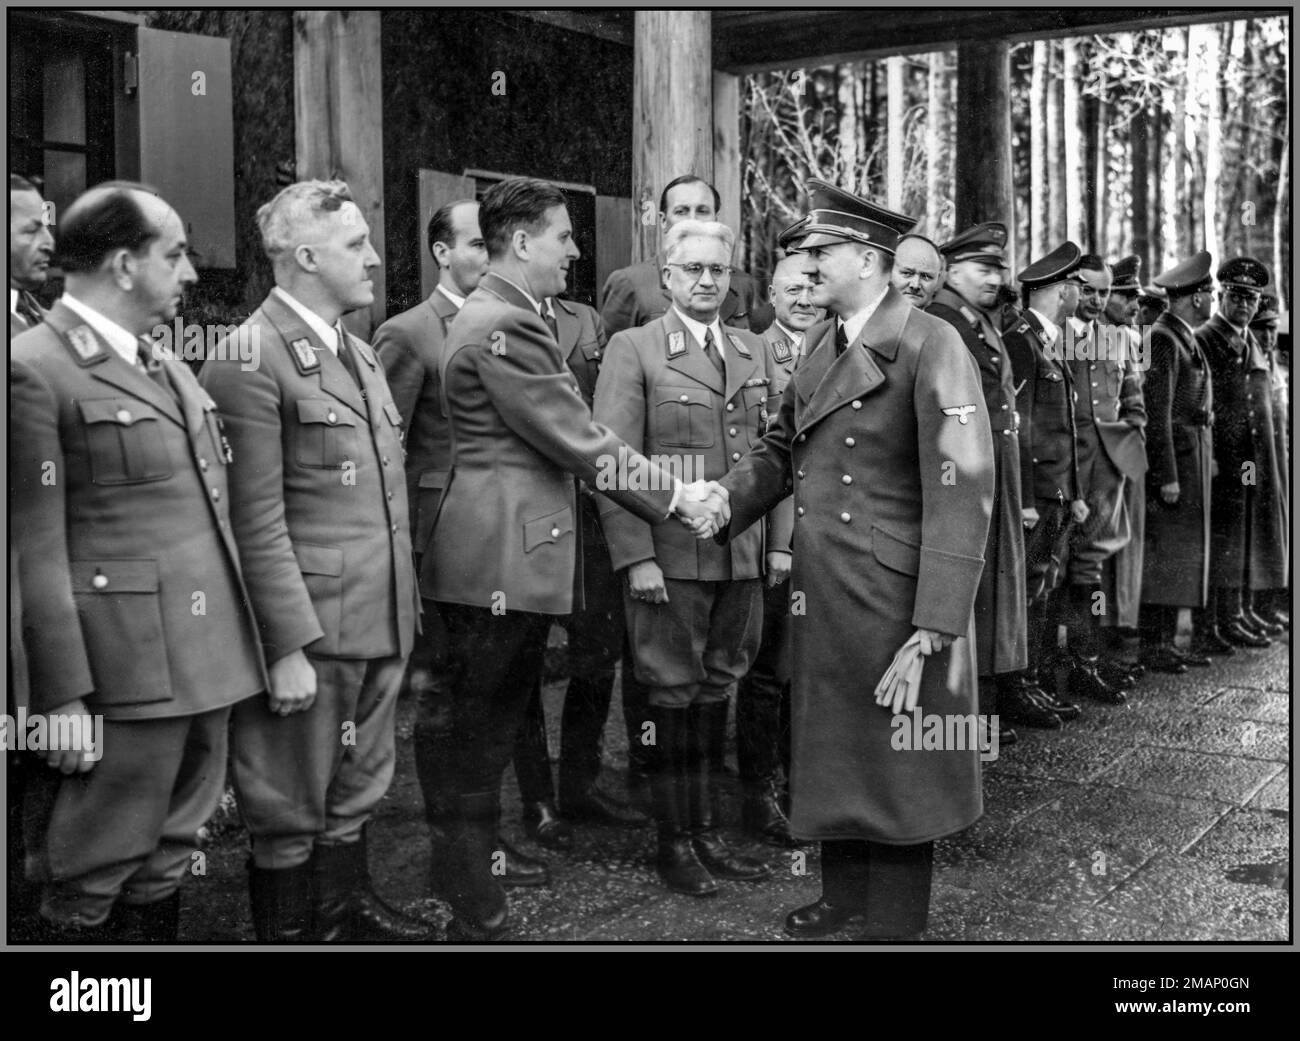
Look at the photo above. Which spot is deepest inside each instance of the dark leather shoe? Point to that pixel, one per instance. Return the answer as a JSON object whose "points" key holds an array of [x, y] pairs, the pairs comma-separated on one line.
{"points": [[1261, 624], [373, 919], [1084, 682], [722, 862], [481, 930], [1006, 736], [1209, 640], [1234, 632], [519, 868], [819, 919], [1277, 616], [544, 824], [1065, 710], [1018, 705], [680, 868], [1116, 673], [1192, 658], [763, 818], [600, 808], [1164, 658]]}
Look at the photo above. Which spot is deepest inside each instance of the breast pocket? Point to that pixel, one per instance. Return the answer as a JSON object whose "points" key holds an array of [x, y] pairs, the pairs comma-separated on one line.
{"points": [[683, 417], [124, 441], [118, 607], [326, 435], [1049, 388]]}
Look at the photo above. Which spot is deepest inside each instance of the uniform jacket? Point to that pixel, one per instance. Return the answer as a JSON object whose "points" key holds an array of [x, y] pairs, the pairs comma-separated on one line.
{"points": [[1000, 610], [782, 360], [1110, 392], [506, 531], [318, 492], [409, 346], [581, 337], [131, 589], [889, 454], [635, 295], [1179, 403], [661, 394], [1245, 450], [1049, 455]]}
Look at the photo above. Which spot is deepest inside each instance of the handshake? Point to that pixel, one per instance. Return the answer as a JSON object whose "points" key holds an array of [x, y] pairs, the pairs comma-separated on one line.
{"points": [[704, 507]]}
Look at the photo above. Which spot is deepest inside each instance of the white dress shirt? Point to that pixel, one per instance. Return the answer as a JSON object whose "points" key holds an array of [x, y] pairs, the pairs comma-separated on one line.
{"points": [[328, 334], [796, 339], [455, 298], [854, 324], [697, 329]]}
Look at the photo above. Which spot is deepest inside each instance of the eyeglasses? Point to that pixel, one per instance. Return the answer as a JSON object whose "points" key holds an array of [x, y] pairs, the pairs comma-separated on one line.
{"points": [[696, 271], [1246, 296]]}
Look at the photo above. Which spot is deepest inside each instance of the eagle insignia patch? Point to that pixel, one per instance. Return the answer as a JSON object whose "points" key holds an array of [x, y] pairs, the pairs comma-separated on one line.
{"points": [[960, 411]]}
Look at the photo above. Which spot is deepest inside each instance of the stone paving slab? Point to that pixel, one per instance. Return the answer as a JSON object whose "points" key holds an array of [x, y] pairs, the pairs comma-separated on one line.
{"points": [[1226, 778]]}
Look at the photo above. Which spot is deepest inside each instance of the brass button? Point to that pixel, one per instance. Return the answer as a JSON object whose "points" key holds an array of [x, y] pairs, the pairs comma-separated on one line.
{"points": [[332, 417], [684, 397], [802, 438], [123, 416], [555, 533], [203, 464], [394, 528], [846, 479], [1005, 407], [799, 510], [850, 442], [390, 495], [385, 460], [1033, 460], [99, 582], [731, 431], [845, 517], [735, 457], [216, 494], [731, 407], [857, 404], [799, 475], [1006, 431]]}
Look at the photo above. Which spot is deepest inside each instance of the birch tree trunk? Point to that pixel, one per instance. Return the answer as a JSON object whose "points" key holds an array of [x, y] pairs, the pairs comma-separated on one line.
{"points": [[1074, 173], [1039, 192]]}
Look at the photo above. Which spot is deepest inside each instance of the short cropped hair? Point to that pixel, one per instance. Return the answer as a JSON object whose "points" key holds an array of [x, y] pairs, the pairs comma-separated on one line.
{"points": [[440, 229], [519, 202], [279, 219], [689, 229], [105, 218], [688, 179]]}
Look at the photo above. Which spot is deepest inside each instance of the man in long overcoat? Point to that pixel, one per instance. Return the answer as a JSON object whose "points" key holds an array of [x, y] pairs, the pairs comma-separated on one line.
{"points": [[883, 437]]}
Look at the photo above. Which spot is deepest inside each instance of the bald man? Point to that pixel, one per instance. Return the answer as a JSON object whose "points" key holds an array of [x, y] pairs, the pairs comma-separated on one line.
{"points": [[918, 270]]}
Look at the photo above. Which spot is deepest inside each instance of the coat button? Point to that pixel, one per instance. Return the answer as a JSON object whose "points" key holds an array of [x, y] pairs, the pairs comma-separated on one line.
{"points": [[850, 442], [123, 416], [731, 407], [385, 460], [332, 417], [99, 582], [802, 438], [684, 397], [731, 431], [1005, 407], [799, 475], [555, 533], [857, 404], [799, 510], [845, 517], [846, 479], [390, 495], [735, 457], [203, 464], [1006, 431], [1033, 461], [394, 528], [216, 494]]}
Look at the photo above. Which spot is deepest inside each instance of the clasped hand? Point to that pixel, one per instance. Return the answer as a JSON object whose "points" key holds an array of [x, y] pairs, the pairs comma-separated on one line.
{"points": [[704, 507]]}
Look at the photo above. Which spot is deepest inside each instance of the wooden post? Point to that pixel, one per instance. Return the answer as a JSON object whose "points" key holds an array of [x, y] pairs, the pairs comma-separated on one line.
{"points": [[672, 117], [339, 120], [726, 149], [983, 189]]}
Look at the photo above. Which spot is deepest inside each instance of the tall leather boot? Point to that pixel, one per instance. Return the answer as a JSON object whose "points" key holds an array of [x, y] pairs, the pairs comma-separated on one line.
{"points": [[282, 903], [640, 757], [705, 719], [1251, 602], [433, 751], [582, 726], [532, 759], [372, 918], [758, 721], [678, 865], [478, 900]]}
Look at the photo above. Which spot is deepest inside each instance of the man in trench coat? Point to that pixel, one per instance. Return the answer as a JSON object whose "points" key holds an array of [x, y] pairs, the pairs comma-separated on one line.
{"points": [[883, 437]]}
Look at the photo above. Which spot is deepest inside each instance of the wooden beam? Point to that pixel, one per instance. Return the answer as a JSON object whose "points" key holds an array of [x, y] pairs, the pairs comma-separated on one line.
{"points": [[672, 117], [983, 180], [749, 41], [726, 148], [612, 25], [339, 120]]}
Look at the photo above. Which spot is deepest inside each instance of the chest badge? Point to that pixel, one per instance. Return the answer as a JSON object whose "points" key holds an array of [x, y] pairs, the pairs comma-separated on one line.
{"points": [[959, 411]]}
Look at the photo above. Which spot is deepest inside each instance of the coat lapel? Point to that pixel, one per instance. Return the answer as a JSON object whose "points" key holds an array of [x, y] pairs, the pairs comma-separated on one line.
{"points": [[738, 367], [568, 328], [692, 361], [334, 379], [112, 369]]}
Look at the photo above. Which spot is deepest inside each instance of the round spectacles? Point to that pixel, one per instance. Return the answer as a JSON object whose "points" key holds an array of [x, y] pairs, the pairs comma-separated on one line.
{"points": [[696, 271]]}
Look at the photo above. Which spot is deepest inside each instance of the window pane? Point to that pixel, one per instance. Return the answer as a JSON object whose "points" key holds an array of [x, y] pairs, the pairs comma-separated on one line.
{"points": [[65, 99], [65, 177]]}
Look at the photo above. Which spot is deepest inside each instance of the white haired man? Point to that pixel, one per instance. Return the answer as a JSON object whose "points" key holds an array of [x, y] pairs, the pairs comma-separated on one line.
{"points": [[686, 387], [318, 505]]}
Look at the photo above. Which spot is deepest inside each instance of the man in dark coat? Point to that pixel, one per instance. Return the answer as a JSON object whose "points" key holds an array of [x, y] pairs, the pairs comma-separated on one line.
{"points": [[1180, 411], [883, 437], [1245, 518], [1273, 603], [975, 265]]}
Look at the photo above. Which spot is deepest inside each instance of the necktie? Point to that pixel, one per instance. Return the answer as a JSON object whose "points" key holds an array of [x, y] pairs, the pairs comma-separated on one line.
{"points": [[28, 309], [153, 368], [549, 319], [841, 339], [711, 350]]}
